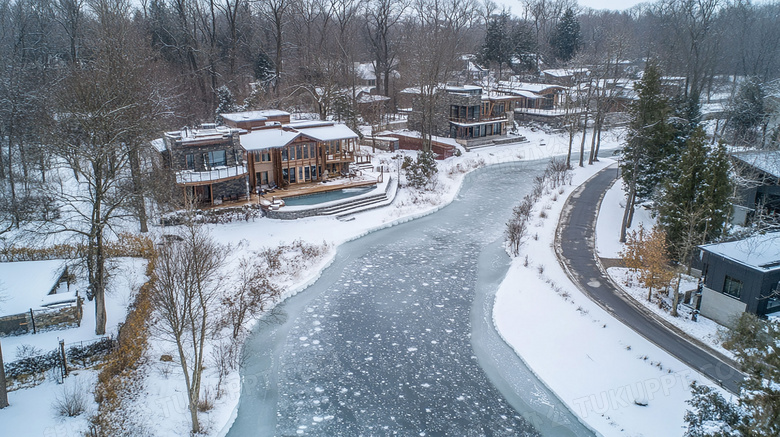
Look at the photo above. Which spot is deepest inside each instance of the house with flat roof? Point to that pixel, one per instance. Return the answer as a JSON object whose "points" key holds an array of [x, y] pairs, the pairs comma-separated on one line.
{"points": [[208, 162], [760, 170], [250, 120], [466, 114], [740, 276]]}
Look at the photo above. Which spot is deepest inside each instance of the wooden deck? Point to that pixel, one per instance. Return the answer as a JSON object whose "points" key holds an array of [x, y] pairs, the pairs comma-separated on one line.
{"points": [[298, 190], [316, 187]]}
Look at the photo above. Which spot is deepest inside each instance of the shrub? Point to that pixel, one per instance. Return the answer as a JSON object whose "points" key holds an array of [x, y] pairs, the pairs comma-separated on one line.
{"points": [[72, 400]]}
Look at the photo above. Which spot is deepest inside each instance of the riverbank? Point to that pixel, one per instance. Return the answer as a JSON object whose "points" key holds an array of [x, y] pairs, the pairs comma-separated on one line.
{"points": [[161, 406], [615, 380]]}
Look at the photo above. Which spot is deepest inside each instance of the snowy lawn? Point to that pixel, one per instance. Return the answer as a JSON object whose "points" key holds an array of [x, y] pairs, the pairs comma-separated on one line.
{"points": [[704, 329], [31, 412], [609, 246]]}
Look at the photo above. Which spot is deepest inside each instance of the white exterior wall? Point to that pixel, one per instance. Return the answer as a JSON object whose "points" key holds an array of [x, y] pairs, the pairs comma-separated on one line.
{"points": [[720, 307]]}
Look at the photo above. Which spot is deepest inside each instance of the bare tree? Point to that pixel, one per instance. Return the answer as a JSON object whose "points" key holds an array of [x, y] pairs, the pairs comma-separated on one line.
{"points": [[184, 297], [106, 109], [3, 389], [252, 292]]}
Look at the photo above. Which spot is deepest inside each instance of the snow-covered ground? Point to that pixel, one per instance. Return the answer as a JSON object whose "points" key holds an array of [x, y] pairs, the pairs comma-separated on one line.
{"points": [[600, 368], [608, 245], [609, 360], [31, 411]]}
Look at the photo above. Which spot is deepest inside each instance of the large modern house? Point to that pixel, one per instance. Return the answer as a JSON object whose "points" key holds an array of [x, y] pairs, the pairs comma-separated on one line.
{"points": [[208, 162], [464, 113], [257, 149], [299, 152], [741, 276]]}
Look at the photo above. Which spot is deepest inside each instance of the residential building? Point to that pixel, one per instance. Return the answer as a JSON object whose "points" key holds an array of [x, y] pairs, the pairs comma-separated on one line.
{"points": [[250, 120], [298, 153], [463, 112], [740, 276], [208, 162], [760, 169]]}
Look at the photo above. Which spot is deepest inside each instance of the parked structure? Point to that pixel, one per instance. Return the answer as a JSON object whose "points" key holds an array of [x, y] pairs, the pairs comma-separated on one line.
{"points": [[741, 276]]}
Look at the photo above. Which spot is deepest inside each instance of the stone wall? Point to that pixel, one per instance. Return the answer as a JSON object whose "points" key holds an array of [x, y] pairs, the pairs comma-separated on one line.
{"points": [[234, 187], [44, 319]]}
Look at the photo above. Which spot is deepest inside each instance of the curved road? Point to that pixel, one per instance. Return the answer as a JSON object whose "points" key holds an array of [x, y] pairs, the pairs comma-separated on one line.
{"points": [[575, 248]]}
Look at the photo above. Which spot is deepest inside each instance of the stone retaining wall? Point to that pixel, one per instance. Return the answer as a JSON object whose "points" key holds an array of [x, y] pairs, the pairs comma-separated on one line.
{"points": [[45, 320]]}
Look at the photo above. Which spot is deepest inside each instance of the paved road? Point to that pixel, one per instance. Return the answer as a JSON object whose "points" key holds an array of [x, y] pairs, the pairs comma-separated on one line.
{"points": [[575, 247]]}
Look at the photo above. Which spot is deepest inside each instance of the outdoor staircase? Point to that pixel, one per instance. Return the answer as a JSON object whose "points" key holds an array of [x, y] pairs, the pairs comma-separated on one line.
{"points": [[353, 204], [345, 210]]}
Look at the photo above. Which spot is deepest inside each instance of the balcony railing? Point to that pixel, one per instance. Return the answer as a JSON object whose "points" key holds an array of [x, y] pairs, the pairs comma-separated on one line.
{"points": [[478, 120], [191, 176]]}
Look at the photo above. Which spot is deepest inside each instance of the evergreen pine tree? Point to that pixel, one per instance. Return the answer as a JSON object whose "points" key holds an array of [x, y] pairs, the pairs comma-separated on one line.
{"points": [[226, 102], [747, 110], [648, 135], [680, 207], [498, 46], [264, 68], [566, 37], [717, 193]]}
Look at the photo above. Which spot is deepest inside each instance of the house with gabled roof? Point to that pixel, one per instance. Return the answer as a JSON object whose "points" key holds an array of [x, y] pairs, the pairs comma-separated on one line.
{"points": [[298, 152]]}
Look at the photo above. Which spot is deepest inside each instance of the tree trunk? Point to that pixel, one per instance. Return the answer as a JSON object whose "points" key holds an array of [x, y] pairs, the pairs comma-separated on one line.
{"points": [[627, 215], [3, 389], [99, 287], [593, 137], [138, 196], [582, 143], [676, 298]]}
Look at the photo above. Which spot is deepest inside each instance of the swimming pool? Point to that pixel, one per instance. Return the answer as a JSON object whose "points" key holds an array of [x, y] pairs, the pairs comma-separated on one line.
{"points": [[326, 196]]}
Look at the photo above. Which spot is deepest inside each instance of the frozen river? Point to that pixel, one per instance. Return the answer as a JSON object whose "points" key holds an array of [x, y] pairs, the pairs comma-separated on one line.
{"points": [[396, 337]]}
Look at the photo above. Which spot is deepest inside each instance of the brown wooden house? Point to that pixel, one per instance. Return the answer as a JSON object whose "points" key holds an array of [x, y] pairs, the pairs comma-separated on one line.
{"points": [[298, 153]]}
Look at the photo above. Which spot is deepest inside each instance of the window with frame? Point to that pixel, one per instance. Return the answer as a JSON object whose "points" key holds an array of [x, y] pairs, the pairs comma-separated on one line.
{"points": [[265, 157], [217, 158], [732, 287], [284, 154], [190, 161]]}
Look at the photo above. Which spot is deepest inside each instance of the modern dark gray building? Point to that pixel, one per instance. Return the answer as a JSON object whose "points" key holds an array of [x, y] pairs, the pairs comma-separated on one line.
{"points": [[741, 276]]}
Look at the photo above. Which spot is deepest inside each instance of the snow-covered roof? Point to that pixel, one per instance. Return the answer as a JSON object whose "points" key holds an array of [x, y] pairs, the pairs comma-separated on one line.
{"points": [[329, 133], [261, 115], [158, 144], [565, 72], [365, 70], [463, 88], [25, 284], [371, 98], [760, 252], [300, 124], [267, 139], [516, 87], [766, 161]]}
